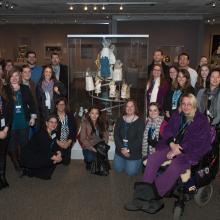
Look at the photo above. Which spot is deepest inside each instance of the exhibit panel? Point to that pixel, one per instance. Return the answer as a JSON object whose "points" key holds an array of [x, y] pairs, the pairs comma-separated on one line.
{"points": [[106, 70]]}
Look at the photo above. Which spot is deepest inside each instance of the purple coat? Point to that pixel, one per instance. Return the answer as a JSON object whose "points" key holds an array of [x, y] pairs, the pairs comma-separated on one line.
{"points": [[161, 95], [197, 138]]}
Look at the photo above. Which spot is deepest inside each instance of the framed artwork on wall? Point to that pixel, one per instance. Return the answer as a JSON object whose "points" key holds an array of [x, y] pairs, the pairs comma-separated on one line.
{"points": [[52, 48], [215, 51]]}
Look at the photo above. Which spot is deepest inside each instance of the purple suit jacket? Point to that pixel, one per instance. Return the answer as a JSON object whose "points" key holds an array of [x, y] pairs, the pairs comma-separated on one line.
{"points": [[161, 95], [197, 138]]}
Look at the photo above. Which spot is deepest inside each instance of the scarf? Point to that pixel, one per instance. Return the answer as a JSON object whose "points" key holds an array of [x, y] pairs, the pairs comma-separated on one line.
{"points": [[154, 126]]}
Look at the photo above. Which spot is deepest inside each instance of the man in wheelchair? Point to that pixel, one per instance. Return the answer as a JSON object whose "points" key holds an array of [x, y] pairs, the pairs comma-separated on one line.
{"points": [[185, 141]]}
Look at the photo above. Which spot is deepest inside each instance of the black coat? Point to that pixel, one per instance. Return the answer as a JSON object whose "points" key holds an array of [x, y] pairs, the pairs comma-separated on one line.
{"points": [[71, 125], [41, 98], [64, 75], [39, 150], [168, 99], [27, 100]]}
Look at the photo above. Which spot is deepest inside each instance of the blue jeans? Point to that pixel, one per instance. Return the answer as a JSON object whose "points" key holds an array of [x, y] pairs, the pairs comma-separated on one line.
{"points": [[89, 155], [131, 167]]}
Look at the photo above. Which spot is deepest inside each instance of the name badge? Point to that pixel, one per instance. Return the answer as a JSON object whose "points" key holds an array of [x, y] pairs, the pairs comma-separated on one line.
{"points": [[53, 136], [18, 108], [2, 122]]}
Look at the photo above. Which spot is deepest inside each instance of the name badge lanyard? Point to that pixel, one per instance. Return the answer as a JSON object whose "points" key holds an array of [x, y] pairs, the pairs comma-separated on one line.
{"points": [[125, 140], [18, 102], [175, 98], [1, 113], [151, 135]]}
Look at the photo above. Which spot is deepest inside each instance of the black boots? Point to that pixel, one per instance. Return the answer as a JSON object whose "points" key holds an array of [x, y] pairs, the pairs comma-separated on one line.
{"points": [[3, 182], [145, 198]]}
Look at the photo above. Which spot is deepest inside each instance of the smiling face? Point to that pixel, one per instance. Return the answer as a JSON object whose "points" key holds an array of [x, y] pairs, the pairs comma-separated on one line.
{"points": [[61, 106], [130, 108], [187, 106], [183, 61], [153, 111], [156, 72], [31, 59], [15, 78], [204, 72], [26, 73], [158, 56], [173, 73], [55, 60], [47, 73], [94, 114], [203, 61], [215, 79], [51, 124], [181, 79]]}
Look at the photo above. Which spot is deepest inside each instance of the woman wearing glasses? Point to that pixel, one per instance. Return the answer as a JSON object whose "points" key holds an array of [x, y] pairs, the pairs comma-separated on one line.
{"points": [[40, 156]]}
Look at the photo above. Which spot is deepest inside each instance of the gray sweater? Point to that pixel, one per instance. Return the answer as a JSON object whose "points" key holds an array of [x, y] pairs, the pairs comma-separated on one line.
{"points": [[134, 136], [202, 99]]}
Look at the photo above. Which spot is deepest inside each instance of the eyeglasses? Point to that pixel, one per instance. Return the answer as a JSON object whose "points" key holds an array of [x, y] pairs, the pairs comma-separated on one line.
{"points": [[53, 122]]}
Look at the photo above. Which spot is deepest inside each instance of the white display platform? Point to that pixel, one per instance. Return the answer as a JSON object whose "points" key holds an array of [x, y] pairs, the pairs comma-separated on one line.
{"points": [[76, 153]]}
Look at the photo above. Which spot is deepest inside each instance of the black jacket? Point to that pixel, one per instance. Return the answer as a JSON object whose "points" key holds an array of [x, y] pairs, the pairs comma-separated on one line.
{"points": [[27, 100], [41, 98], [64, 75], [71, 125], [39, 150]]}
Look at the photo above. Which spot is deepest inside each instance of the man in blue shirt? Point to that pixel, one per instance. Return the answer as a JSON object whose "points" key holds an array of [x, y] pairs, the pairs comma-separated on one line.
{"points": [[36, 71]]}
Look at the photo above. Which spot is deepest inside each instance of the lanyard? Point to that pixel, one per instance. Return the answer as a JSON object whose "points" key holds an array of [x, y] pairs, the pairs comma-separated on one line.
{"points": [[175, 98]]}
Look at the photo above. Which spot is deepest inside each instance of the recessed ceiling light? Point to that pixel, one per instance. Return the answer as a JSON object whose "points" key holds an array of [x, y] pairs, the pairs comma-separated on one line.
{"points": [[103, 7], [95, 8], [121, 8], [213, 4], [85, 8], [71, 8]]}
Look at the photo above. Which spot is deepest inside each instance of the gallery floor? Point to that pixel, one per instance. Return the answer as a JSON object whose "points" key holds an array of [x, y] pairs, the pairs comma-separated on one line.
{"points": [[75, 194]]}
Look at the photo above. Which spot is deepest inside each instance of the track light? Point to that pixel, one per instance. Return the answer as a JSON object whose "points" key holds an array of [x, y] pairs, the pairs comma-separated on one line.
{"points": [[95, 8], [71, 8], [103, 8], [121, 8], [213, 4], [85, 8]]}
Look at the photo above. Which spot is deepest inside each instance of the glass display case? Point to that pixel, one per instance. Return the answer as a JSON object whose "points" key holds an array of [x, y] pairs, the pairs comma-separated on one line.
{"points": [[106, 70], [84, 56]]}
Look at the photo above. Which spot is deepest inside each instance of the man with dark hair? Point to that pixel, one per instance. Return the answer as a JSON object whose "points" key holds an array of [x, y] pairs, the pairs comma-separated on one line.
{"points": [[158, 59], [183, 60], [60, 70], [36, 71]]}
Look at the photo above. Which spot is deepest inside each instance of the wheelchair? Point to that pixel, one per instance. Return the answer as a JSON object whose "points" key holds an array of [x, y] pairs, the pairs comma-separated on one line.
{"points": [[195, 183]]}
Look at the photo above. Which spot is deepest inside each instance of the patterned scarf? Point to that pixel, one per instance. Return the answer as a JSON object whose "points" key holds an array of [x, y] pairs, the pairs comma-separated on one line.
{"points": [[64, 129], [155, 128], [48, 87]]}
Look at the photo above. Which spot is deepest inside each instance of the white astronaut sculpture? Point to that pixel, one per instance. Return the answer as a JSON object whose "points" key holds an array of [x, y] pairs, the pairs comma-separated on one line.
{"points": [[89, 82], [112, 89], [117, 72]]}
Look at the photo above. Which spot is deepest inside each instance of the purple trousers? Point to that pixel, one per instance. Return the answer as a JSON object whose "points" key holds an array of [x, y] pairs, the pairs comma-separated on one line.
{"points": [[168, 178]]}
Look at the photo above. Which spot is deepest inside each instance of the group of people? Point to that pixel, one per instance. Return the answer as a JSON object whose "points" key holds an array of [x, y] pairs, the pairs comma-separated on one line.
{"points": [[38, 130]]}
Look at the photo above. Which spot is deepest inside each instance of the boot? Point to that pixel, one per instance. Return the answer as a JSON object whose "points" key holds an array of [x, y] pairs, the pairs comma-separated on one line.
{"points": [[153, 206], [14, 158], [143, 194], [3, 181]]}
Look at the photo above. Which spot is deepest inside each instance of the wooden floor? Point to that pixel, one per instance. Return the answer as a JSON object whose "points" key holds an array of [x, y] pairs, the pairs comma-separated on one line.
{"points": [[75, 194]]}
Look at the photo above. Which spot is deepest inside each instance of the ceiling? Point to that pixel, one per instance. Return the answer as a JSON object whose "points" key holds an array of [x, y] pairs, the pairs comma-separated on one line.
{"points": [[57, 11]]}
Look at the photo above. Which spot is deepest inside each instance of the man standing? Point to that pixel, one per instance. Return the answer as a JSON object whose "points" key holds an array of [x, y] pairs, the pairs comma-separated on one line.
{"points": [[36, 71], [60, 70], [158, 59], [183, 60]]}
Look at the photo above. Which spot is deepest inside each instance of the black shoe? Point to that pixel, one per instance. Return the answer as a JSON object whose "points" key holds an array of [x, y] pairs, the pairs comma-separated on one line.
{"points": [[3, 182], [134, 205], [88, 166], [153, 207]]}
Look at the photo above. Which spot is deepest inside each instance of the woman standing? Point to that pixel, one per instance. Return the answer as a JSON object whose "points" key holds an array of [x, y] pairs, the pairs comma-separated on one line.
{"points": [[182, 85], [203, 78], [93, 131], [128, 136], [5, 120], [49, 89], [157, 87], [209, 99], [40, 156], [66, 130], [24, 115]]}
